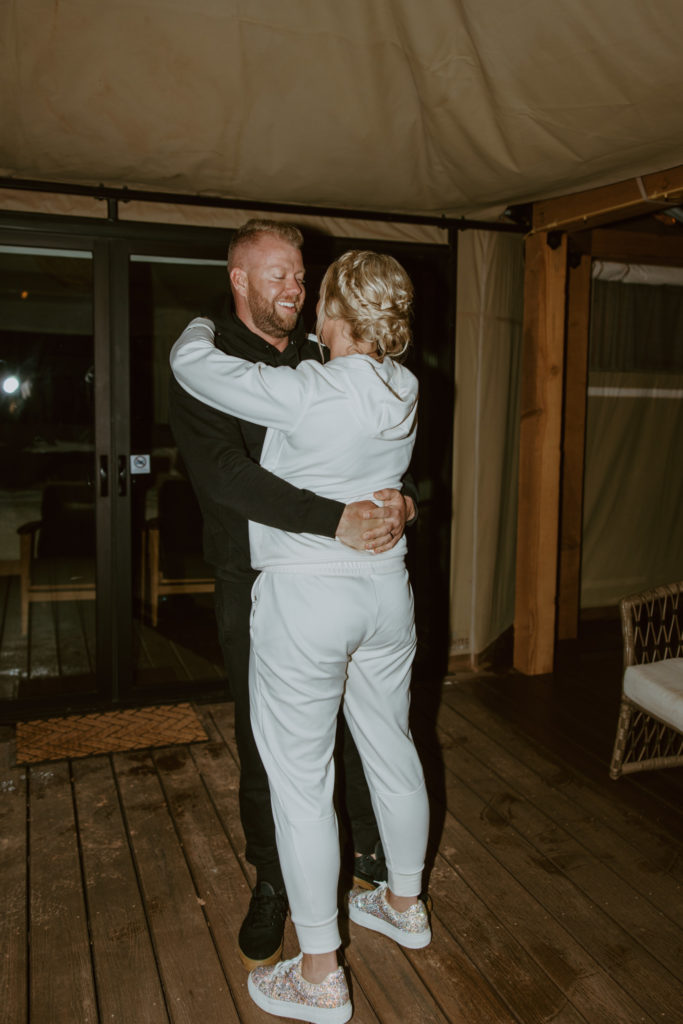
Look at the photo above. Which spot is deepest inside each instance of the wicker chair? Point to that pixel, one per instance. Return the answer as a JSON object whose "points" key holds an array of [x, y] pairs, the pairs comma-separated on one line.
{"points": [[650, 727]]}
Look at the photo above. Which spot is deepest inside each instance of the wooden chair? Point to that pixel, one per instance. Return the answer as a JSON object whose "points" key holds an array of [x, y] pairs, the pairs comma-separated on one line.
{"points": [[650, 727], [57, 551], [172, 547]]}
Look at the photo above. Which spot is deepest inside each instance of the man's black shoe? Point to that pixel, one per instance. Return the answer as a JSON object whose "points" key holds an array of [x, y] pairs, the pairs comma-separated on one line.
{"points": [[260, 937], [369, 869]]}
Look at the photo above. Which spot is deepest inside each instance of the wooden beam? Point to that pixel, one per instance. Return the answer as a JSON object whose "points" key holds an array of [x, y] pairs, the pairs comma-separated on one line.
{"points": [[636, 247], [539, 456], [610, 203], [573, 449]]}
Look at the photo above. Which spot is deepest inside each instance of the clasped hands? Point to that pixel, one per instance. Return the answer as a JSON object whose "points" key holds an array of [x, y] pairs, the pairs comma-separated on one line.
{"points": [[366, 526]]}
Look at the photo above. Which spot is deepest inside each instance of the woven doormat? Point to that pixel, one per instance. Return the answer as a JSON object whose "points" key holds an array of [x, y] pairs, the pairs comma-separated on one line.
{"points": [[132, 729]]}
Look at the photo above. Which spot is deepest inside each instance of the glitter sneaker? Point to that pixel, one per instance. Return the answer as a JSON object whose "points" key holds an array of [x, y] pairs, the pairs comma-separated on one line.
{"points": [[369, 869], [282, 991], [370, 908]]}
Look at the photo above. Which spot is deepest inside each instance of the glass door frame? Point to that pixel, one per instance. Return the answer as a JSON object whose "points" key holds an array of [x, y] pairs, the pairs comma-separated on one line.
{"points": [[37, 237], [187, 244], [111, 243]]}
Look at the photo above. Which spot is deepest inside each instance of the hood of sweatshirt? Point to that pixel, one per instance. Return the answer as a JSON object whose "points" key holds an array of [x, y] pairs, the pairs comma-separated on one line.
{"points": [[389, 410], [247, 345]]}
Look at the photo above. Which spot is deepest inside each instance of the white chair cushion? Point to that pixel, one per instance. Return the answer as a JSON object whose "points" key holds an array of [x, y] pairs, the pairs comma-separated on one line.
{"points": [[658, 687]]}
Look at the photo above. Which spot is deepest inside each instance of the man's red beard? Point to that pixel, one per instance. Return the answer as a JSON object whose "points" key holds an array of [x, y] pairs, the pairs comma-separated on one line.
{"points": [[269, 318]]}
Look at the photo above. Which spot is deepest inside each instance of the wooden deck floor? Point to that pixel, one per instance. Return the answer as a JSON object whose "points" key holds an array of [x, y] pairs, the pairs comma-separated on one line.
{"points": [[557, 892]]}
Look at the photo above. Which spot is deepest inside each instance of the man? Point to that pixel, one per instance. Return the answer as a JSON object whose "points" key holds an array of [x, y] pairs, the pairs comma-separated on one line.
{"points": [[221, 454]]}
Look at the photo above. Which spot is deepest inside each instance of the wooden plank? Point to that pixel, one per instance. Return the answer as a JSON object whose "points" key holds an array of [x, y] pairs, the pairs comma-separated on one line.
{"points": [[183, 648], [43, 658], [61, 980], [13, 865], [218, 766], [571, 803], [221, 885], [72, 651], [515, 976], [610, 203], [532, 854], [121, 942], [157, 661], [450, 974], [13, 646], [516, 892], [579, 802], [629, 975], [189, 626], [196, 666], [655, 930], [573, 448], [637, 247], [190, 969], [87, 614], [652, 798], [539, 455], [388, 981]]}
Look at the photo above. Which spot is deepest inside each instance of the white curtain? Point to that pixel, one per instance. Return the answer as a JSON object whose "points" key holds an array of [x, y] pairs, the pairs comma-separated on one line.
{"points": [[486, 436], [633, 491]]}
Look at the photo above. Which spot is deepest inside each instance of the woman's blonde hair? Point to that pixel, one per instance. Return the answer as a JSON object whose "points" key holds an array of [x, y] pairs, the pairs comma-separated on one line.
{"points": [[373, 294]]}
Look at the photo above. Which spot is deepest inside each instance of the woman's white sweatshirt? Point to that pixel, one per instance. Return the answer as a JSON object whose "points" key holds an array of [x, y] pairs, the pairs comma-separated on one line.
{"points": [[343, 430]]}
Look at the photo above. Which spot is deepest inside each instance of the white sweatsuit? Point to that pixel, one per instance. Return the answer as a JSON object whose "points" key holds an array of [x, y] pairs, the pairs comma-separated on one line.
{"points": [[327, 622]]}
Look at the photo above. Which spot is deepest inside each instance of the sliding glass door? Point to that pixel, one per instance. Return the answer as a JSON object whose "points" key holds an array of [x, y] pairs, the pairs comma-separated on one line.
{"points": [[175, 643], [104, 595], [48, 475]]}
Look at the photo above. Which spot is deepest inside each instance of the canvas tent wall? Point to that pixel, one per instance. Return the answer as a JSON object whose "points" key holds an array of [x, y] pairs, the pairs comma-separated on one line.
{"points": [[433, 108]]}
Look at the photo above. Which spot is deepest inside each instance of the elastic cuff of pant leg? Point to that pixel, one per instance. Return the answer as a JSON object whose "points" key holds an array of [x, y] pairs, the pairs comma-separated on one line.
{"points": [[405, 885], [318, 938]]}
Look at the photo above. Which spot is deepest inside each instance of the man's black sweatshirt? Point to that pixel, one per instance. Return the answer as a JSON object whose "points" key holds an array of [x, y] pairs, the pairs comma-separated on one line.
{"points": [[221, 457]]}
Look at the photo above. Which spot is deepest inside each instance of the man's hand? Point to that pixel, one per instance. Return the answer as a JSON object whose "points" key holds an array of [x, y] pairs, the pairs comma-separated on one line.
{"points": [[369, 527]]}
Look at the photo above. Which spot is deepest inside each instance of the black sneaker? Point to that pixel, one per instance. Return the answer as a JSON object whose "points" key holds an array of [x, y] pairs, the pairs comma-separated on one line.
{"points": [[260, 937], [370, 869]]}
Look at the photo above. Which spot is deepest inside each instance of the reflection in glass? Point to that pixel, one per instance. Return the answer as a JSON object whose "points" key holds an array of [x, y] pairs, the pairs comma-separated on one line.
{"points": [[47, 531], [175, 636]]}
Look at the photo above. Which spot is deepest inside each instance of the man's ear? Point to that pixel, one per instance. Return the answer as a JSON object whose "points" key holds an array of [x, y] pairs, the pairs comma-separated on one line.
{"points": [[238, 280]]}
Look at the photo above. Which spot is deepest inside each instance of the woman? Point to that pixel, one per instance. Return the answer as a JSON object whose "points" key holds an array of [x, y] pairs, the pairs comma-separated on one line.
{"points": [[328, 622]]}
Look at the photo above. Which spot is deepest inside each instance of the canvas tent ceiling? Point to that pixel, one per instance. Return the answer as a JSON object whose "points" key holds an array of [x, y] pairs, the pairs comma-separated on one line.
{"points": [[455, 107]]}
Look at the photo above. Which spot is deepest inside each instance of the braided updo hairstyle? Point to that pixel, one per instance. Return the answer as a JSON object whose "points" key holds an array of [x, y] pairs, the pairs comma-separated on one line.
{"points": [[373, 294]]}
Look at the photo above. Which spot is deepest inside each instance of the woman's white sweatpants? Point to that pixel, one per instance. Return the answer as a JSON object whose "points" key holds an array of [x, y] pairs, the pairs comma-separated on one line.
{"points": [[315, 640]]}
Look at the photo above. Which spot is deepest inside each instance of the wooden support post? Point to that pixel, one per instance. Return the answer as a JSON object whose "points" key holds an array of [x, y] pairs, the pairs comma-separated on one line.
{"points": [[539, 454], [573, 449]]}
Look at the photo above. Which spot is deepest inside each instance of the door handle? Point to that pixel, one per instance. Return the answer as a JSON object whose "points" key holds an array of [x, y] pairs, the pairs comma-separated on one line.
{"points": [[103, 474], [122, 475]]}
